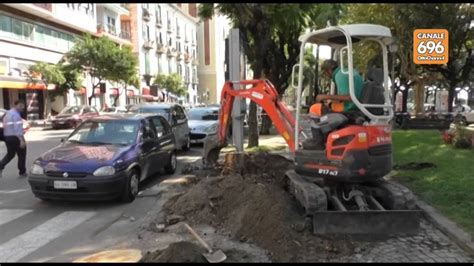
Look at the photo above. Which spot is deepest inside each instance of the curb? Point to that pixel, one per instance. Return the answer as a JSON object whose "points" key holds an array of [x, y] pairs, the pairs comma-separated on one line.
{"points": [[448, 227]]}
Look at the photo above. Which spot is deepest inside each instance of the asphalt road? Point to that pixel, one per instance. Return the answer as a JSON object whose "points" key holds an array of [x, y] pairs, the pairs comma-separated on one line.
{"points": [[35, 231]]}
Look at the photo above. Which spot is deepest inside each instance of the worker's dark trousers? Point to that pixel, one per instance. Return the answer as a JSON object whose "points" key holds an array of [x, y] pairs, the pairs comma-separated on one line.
{"points": [[13, 146]]}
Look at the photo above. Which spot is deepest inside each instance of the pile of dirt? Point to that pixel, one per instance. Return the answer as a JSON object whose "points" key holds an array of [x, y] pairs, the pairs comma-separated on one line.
{"points": [[253, 206], [177, 252]]}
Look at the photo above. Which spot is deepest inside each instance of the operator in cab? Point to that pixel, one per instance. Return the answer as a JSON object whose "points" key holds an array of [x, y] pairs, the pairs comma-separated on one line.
{"points": [[328, 117]]}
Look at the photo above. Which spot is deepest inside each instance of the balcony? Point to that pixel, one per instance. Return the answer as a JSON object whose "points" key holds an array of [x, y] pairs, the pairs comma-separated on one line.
{"points": [[148, 44], [125, 35], [172, 52], [180, 56], [161, 48], [146, 15], [178, 33], [193, 43], [187, 58], [169, 29], [195, 81], [159, 23], [186, 40]]}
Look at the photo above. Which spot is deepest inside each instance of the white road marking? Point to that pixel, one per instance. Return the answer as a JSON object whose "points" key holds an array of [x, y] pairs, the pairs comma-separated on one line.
{"points": [[8, 215], [12, 191], [22, 245]]}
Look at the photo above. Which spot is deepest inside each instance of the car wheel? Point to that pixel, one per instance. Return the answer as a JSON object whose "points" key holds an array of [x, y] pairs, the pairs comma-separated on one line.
{"points": [[170, 168], [130, 190], [187, 146]]}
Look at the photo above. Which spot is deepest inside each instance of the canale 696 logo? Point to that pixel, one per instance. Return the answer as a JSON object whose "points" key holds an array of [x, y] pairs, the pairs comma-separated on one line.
{"points": [[430, 46]]}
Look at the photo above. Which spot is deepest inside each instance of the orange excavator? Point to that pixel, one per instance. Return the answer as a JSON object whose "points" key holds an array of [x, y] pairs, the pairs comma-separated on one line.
{"points": [[341, 185]]}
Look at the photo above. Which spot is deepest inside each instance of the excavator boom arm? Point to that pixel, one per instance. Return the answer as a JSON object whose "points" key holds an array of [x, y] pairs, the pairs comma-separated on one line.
{"points": [[263, 93]]}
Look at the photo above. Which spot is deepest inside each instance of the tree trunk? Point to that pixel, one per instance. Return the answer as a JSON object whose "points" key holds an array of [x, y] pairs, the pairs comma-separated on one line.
{"points": [[451, 94], [266, 124], [419, 97]]}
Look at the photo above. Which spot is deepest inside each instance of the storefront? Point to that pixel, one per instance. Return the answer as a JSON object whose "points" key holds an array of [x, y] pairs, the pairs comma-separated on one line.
{"points": [[16, 88]]}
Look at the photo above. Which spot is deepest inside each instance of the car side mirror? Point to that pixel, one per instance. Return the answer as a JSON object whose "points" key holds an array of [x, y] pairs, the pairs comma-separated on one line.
{"points": [[63, 140]]}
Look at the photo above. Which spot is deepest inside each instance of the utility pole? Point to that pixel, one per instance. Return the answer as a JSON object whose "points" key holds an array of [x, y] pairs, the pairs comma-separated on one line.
{"points": [[235, 76]]}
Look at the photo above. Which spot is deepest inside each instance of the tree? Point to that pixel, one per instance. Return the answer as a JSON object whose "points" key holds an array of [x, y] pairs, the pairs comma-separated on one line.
{"points": [[269, 34], [57, 74], [103, 60], [172, 83], [403, 19]]}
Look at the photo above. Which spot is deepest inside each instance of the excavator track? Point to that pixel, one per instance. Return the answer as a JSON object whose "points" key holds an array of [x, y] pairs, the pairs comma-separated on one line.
{"points": [[309, 195], [395, 196]]}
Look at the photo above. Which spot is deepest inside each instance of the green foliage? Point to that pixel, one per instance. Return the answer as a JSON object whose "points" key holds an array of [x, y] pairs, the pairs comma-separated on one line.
{"points": [[172, 83], [447, 188], [462, 137], [59, 74], [103, 59]]}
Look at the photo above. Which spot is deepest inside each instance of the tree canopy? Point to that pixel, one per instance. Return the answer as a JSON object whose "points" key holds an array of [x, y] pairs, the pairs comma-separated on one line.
{"points": [[103, 60], [172, 83]]}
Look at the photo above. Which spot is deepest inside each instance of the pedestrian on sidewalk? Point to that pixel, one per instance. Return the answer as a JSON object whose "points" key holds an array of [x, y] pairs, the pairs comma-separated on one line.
{"points": [[14, 138]]}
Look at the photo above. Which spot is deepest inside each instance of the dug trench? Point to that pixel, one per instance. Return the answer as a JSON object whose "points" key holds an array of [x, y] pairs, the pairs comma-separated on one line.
{"points": [[250, 206]]}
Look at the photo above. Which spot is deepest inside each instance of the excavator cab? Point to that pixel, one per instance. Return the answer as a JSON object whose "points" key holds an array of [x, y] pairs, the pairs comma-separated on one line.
{"points": [[357, 144], [342, 185]]}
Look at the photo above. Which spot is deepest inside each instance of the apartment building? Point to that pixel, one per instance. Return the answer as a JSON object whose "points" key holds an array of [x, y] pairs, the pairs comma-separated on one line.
{"points": [[31, 33], [164, 37], [212, 34]]}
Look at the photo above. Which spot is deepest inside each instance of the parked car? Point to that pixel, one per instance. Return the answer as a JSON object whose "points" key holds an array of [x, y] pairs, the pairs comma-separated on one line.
{"points": [[26, 124], [113, 110], [105, 158], [203, 122], [464, 114], [72, 116], [175, 115]]}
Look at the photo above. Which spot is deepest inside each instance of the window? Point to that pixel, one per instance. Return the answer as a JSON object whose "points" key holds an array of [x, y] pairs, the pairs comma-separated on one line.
{"points": [[170, 70], [39, 35], [5, 25], [180, 113], [17, 28], [159, 64], [147, 63], [148, 131], [111, 25], [63, 41], [3, 67], [180, 71], [147, 32], [170, 42], [158, 14]]}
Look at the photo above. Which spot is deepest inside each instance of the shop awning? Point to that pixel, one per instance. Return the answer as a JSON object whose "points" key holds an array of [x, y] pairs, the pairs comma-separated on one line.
{"points": [[23, 84], [114, 92], [146, 91]]}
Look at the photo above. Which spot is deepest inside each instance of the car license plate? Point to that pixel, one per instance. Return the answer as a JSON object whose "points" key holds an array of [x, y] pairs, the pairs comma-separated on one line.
{"points": [[65, 184], [194, 141], [61, 122]]}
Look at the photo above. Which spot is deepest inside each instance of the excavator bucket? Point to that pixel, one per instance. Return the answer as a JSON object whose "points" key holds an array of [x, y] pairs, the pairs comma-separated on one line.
{"points": [[367, 222], [211, 150]]}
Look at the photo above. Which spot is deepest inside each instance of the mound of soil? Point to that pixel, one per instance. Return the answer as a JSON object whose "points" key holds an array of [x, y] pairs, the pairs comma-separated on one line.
{"points": [[253, 205], [177, 252]]}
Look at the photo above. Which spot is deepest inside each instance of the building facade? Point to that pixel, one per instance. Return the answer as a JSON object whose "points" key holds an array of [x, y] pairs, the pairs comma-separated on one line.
{"points": [[31, 33], [212, 34], [164, 38]]}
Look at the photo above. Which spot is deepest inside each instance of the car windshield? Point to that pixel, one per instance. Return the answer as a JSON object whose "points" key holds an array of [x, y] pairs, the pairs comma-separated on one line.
{"points": [[71, 110], [116, 132], [203, 114]]}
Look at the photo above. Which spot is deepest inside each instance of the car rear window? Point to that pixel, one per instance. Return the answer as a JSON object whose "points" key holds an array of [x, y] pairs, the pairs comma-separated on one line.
{"points": [[153, 110]]}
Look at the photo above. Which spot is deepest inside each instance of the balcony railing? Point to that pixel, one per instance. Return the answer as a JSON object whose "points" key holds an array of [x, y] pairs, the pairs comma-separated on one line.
{"points": [[180, 56], [125, 35], [187, 58], [148, 44], [172, 52], [146, 15], [161, 48], [159, 23], [111, 29]]}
